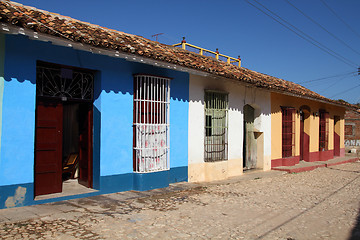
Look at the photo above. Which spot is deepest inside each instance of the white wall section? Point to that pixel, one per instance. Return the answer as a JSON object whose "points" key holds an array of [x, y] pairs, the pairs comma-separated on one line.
{"points": [[239, 96]]}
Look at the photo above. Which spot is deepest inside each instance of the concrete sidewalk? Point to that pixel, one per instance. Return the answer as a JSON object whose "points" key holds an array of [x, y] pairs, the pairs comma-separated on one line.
{"points": [[308, 166]]}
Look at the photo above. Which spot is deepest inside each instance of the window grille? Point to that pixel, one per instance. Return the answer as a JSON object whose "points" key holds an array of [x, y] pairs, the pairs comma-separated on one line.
{"points": [[216, 126], [323, 131], [64, 82], [151, 123], [288, 131]]}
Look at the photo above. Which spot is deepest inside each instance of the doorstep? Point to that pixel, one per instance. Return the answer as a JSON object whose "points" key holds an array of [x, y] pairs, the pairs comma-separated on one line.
{"points": [[304, 166]]}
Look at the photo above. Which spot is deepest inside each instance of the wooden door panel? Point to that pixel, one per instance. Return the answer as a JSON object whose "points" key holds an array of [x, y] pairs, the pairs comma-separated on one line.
{"points": [[46, 157], [46, 135], [48, 148], [85, 147], [45, 183]]}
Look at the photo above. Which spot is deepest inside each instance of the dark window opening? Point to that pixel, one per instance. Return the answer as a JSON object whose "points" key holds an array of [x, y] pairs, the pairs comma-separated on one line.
{"points": [[208, 125]]}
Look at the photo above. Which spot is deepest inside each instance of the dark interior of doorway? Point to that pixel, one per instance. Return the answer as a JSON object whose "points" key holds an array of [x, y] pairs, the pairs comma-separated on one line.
{"points": [[74, 124]]}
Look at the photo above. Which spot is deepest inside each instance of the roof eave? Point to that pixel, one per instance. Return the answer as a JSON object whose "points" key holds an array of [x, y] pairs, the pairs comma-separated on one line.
{"points": [[11, 29]]}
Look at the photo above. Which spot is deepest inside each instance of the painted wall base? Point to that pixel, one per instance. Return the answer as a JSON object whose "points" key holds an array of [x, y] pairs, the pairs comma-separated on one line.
{"points": [[342, 152], [147, 181], [313, 157], [267, 163], [290, 161], [321, 155], [213, 171], [178, 174], [326, 155], [116, 183], [19, 195]]}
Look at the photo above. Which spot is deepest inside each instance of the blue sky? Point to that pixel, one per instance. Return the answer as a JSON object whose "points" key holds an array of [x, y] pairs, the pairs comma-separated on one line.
{"points": [[237, 28]]}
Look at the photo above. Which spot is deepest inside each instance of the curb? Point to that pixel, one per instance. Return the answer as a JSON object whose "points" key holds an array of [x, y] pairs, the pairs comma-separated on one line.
{"points": [[342, 162], [310, 168]]}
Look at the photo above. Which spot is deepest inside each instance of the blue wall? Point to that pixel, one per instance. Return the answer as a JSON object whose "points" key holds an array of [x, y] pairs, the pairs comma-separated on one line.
{"points": [[113, 116]]}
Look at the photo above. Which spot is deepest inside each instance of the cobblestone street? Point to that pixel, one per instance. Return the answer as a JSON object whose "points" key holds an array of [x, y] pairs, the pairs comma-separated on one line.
{"points": [[320, 204]]}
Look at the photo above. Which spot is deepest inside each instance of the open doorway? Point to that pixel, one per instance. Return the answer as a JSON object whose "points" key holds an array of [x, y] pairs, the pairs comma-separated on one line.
{"points": [[76, 152], [63, 129], [249, 142]]}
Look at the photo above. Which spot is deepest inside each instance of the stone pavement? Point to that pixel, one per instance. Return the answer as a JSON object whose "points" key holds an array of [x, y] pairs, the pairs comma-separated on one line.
{"points": [[320, 204], [64, 207]]}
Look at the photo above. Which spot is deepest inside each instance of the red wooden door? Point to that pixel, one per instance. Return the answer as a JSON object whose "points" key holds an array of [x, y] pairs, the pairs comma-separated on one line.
{"points": [[86, 142], [48, 148]]}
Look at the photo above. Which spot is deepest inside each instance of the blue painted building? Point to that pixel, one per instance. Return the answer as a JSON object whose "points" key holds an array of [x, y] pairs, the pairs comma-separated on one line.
{"points": [[113, 165]]}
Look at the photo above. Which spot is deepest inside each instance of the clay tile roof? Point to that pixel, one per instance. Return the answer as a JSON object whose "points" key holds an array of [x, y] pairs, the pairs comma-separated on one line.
{"points": [[82, 32]]}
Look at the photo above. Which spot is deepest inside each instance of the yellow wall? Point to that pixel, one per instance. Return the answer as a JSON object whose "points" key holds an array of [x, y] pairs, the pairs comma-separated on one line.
{"points": [[311, 126], [340, 126]]}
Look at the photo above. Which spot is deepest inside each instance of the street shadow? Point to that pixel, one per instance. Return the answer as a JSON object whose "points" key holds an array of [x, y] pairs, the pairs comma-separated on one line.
{"points": [[355, 233]]}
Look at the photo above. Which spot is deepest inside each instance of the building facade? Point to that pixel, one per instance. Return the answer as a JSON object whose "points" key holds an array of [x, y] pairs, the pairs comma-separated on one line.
{"points": [[240, 140], [114, 114], [119, 112], [310, 130]]}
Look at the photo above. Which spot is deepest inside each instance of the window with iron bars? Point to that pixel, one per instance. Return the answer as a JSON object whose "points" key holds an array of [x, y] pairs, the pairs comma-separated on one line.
{"points": [[288, 131], [151, 123], [216, 126], [323, 131]]}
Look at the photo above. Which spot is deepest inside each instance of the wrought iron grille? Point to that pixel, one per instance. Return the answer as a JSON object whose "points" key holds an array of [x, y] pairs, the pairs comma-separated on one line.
{"points": [[216, 126], [151, 123], [64, 83], [288, 131], [323, 131]]}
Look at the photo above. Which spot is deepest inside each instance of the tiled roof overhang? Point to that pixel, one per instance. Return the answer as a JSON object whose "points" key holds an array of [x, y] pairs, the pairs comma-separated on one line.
{"points": [[74, 33]]}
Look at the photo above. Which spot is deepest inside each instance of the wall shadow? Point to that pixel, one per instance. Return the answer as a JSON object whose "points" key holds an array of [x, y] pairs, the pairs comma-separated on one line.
{"points": [[355, 233]]}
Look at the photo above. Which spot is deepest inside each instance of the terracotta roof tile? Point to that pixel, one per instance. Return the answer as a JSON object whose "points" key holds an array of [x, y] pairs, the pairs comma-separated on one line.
{"points": [[97, 36]]}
